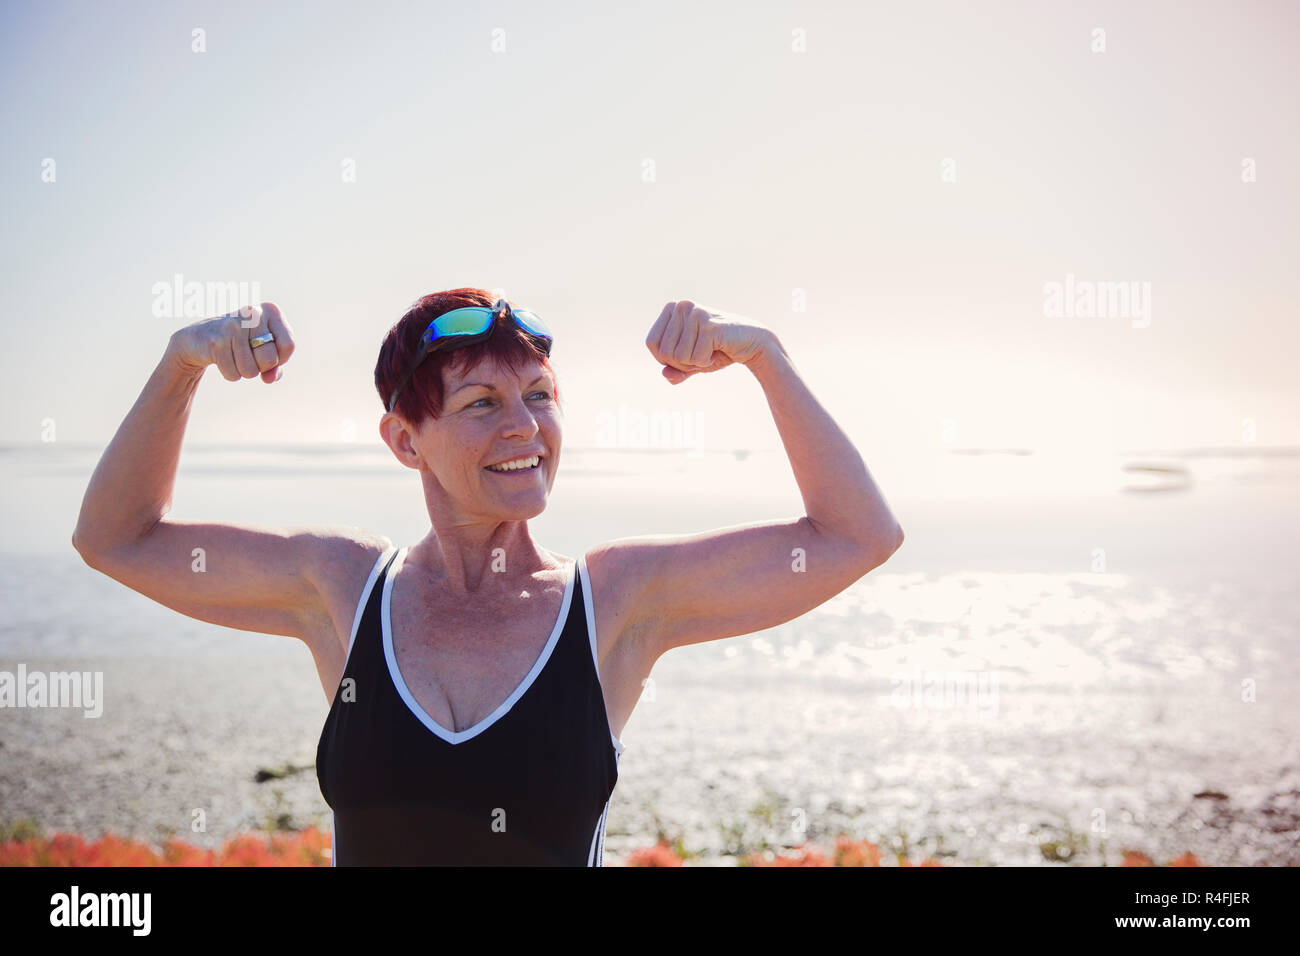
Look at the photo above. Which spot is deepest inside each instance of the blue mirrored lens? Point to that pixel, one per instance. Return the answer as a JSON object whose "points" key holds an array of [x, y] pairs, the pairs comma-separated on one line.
{"points": [[532, 322], [473, 321]]}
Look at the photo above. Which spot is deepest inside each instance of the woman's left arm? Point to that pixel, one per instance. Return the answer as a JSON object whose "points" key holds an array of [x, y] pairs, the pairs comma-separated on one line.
{"points": [[731, 581]]}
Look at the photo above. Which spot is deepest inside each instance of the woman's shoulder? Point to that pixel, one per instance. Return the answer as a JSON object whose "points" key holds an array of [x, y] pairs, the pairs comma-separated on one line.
{"points": [[340, 564], [341, 553], [607, 566]]}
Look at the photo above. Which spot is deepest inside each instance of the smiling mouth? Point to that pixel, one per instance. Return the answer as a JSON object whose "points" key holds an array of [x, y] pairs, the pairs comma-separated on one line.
{"points": [[522, 465]]}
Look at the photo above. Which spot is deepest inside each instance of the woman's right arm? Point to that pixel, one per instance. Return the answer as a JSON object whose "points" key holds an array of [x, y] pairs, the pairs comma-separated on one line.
{"points": [[291, 581]]}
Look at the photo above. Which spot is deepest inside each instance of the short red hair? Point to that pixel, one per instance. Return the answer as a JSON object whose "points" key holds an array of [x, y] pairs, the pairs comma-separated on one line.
{"points": [[423, 395]]}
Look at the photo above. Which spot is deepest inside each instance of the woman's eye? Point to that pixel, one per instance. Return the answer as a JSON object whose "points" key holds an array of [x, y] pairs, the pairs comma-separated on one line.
{"points": [[545, 396]]}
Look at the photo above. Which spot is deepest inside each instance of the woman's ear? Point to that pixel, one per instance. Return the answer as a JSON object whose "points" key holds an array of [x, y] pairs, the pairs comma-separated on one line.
{"points": [[396, 433]]}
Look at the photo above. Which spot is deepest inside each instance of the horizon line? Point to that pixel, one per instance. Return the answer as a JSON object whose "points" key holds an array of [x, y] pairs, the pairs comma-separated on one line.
{"points": [[1189, 451]]}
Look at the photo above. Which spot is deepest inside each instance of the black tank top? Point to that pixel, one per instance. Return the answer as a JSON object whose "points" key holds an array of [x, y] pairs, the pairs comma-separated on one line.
{"points": [[529, 785]]}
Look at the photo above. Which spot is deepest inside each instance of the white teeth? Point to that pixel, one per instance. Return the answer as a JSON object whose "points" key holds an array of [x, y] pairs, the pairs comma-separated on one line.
{"points": [[522, 463]]}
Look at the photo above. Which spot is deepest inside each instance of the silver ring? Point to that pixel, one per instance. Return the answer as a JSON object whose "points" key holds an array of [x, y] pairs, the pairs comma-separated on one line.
{"points": [[261, 340]]}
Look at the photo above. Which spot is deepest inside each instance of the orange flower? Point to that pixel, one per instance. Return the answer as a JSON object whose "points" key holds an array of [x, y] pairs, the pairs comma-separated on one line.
{"points": [[308, 848], [661, 854], [856, 853], [179, 853], [802, 856], [311, 847]]}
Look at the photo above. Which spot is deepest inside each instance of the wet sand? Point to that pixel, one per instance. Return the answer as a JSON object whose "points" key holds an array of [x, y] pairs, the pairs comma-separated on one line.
{"points": [[739, 743], [1118, 720]]}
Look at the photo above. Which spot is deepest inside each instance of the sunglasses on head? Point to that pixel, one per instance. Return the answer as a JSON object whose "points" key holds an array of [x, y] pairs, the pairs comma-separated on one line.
{"points": [[461, 327]]}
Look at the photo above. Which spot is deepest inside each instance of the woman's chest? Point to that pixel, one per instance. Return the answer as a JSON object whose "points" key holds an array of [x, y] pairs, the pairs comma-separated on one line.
{"points": [[460, 665]]}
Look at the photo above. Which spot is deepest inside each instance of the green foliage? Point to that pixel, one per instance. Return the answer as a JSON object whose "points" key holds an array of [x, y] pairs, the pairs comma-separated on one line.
{"points": [[21, 829]]}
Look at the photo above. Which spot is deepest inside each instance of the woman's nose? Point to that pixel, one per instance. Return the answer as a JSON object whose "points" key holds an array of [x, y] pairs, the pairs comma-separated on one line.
{"points": [[521, 419]]}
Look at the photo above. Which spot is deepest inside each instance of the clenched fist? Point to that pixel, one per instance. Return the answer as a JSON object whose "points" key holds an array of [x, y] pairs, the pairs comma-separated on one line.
{"points": [[689, 338], [237, 344]]}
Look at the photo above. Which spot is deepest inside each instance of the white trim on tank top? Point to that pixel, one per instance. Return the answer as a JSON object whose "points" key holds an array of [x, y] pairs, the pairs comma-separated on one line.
{"points": [[395, 673], [591, 635], [365, 599], [356, 625], [596, 853], [597, 838]]}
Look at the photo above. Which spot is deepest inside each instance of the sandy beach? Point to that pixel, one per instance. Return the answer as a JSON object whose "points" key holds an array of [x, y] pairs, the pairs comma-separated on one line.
{"points": [[1111, 714]]}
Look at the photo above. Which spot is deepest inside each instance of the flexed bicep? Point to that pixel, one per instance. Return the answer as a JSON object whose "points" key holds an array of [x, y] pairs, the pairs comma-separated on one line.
{"points": [[686, 589]]}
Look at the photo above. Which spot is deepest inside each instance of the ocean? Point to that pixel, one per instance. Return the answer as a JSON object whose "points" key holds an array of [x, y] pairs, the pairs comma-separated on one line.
{"points": [[1069, 657]]}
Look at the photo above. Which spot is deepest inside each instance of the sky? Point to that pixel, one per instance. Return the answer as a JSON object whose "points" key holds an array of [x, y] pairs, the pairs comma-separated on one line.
{"points": [[891, 188]]}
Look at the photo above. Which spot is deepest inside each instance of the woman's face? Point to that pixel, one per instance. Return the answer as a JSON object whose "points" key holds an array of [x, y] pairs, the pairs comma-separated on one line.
{"points": [[491, 415]]}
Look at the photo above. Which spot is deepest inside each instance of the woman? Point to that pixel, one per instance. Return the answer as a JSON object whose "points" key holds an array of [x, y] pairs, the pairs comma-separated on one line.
{"points": [[478, 681]]}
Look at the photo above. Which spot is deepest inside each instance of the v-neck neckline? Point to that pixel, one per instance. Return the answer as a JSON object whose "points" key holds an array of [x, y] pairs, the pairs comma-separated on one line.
{"points": [[460, 736]]}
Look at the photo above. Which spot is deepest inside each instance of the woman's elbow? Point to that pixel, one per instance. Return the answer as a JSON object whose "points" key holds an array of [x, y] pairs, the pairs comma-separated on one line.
{"points": [[90, 549], [883, 548], [80, 545]]}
